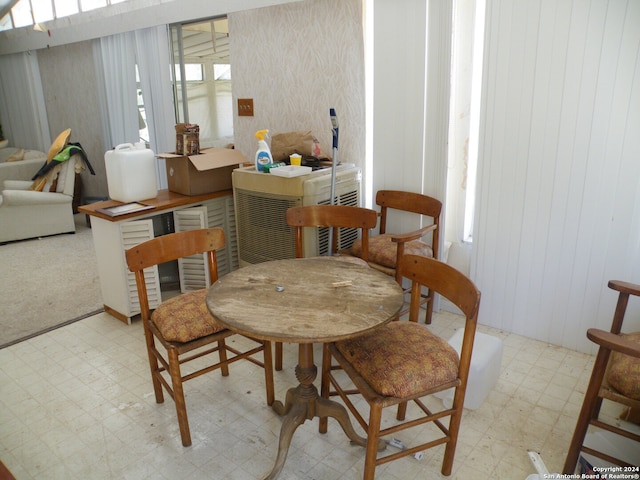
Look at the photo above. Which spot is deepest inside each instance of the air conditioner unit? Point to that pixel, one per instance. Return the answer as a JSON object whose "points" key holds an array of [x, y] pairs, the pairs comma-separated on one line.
{"points": [[261, 202]]}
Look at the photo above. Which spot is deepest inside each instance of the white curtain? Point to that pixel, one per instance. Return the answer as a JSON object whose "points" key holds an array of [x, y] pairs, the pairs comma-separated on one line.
{"points": [[117, 66], [23, 114], [117, 58], [154, 64], [411, 86]]}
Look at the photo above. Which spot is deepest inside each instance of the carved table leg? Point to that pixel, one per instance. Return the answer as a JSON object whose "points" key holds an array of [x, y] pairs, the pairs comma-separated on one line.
{"points": [[303, 402], [296, 416], [328, 408]]}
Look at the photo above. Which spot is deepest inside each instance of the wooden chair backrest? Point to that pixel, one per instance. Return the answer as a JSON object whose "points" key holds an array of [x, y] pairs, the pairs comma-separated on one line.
{"points": [[445, 280], [337, 216], [172, 247], [625, 289], [451, 284], [410, 202]]}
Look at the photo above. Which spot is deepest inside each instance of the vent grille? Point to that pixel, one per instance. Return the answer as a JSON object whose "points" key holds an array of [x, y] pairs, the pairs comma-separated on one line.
{"points": [[346, 236], [263, 233]]}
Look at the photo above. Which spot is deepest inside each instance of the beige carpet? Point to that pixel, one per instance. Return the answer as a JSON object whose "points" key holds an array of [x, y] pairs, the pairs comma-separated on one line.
{"points": [[46, 283]]}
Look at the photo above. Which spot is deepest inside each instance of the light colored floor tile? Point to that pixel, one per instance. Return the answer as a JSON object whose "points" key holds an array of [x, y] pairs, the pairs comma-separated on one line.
{"points": [[77, 403]]}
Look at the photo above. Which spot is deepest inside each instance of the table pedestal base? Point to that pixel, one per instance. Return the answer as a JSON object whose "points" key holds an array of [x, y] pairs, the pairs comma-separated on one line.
{"points": [[304, 403]]}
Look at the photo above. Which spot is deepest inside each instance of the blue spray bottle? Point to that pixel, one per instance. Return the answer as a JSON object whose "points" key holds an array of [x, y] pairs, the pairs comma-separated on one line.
{"points": [[263, 154]]}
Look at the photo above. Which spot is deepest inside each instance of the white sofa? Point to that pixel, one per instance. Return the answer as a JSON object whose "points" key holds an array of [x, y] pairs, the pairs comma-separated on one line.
{"points": [[25, 213], [22, 169]]}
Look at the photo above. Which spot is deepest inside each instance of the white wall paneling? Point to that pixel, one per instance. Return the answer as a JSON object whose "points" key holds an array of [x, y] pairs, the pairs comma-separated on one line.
{"points": [[558, 208], [411, 55], [399, 51]]}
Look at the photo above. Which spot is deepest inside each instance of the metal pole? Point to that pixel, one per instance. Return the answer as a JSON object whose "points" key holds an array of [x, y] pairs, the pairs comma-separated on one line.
{"points": [[334, 164]]}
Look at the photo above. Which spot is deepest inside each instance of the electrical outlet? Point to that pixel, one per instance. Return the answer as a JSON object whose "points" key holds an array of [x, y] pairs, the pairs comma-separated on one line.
{"points": [[245, 107]]}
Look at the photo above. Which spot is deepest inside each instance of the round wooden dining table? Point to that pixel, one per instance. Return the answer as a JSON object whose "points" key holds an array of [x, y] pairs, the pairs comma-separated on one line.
{"points": [[305, 301]]}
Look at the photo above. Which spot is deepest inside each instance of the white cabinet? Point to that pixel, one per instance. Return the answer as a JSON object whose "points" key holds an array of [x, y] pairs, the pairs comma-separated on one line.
{"points": [[111, 237], [194, 273]]}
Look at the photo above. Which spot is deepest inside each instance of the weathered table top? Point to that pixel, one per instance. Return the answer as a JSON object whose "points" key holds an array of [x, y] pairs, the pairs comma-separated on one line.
{"points": [[308, 300]]}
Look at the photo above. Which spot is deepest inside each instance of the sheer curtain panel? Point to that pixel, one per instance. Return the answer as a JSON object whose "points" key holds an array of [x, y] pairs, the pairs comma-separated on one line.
{"points": [[23, 114], [118, 56], [152, 47], [117, 66]]}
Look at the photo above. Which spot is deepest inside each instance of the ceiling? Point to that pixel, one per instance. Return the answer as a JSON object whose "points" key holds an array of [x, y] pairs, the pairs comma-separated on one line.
{"points": [[5, 6], [202, 41]]}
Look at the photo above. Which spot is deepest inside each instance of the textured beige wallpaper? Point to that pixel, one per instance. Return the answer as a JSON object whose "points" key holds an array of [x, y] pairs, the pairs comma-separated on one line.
{"points": [[68, 82], [296, 61]]}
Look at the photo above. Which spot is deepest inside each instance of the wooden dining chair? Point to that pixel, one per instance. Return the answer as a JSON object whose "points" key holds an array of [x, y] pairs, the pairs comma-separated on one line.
{"points": [[386, 249], [615, 377], [183, 326], [335, 216], [402, 362]]}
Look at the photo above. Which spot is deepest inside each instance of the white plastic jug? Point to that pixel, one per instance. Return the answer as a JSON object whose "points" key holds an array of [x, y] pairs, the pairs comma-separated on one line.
{"points": [[131, 173]]}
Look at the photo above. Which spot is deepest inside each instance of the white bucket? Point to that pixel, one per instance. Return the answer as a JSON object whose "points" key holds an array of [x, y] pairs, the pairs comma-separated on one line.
{"points": [[131, 173], [483, 372]]}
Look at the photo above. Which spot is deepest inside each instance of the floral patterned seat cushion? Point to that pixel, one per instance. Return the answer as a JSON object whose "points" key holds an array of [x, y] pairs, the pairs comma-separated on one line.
{"points": [[401, 359], [624, 370], [185, 317], [383, 251]]}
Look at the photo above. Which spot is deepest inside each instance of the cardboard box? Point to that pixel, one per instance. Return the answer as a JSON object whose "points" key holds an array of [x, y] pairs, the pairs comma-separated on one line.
{"points": [[210, 171]]}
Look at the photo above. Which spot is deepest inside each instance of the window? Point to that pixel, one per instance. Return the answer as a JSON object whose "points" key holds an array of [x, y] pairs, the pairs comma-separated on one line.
{"points": [[202, 79], [466, 73], [143, 130], [193, 72], [23, 13]]}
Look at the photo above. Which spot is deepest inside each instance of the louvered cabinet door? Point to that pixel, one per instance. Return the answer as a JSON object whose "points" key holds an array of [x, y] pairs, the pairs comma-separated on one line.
{"points": [[113, 236], [193, 270], [131, 234], [221, 214]]}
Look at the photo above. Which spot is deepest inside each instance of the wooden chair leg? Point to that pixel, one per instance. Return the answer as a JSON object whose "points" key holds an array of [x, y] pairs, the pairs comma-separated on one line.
{"points": [[222, 351], [429, 314], [153, 366], [590, 405], [268, 372], [178, 397], [402, 411], [373, 434], [454, 428], [278, 356]]}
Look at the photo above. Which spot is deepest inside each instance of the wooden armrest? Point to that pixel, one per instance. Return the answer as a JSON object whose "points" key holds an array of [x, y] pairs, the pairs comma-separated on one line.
{"points": [[624, 287], [407, 237], [614, 342]]}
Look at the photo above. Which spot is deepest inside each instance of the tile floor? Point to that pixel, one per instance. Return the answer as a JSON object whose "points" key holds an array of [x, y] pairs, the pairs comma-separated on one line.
{"points": [[77, 403]]}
